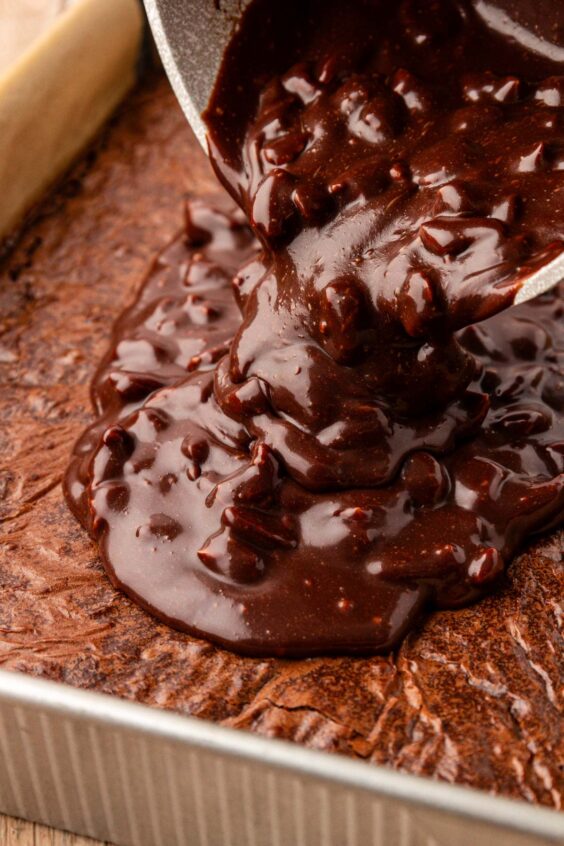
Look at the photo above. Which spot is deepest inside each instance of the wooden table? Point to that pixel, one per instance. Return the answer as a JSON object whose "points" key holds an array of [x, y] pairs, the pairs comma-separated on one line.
{"points": [[21, 21], [15, 832]]}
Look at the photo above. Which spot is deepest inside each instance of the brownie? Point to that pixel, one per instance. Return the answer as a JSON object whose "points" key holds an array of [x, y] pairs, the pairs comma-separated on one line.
{"points": [[470, 697]]}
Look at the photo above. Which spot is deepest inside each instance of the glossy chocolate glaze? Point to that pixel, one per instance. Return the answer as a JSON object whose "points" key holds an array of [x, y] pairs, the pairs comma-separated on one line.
{"points": [[355, 454]]}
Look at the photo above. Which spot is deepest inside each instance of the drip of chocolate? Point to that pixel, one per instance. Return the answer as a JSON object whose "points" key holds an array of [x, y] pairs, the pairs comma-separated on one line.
{"points": [[313, 429]]}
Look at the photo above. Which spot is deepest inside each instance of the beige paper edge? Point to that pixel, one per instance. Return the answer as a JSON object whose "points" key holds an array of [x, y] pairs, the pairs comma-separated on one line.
{"points": [[57, 95]]}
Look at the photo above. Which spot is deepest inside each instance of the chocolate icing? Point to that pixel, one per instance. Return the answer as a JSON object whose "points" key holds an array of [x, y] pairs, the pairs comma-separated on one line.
{"points": [[356, 455], [470, 696]]}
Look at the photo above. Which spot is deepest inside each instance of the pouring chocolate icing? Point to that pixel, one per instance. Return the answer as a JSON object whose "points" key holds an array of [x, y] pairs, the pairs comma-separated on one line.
{"points": [[314, 429]]}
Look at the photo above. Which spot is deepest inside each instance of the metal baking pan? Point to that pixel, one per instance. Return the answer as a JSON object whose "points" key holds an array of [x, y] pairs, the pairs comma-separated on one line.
{"points": [[136, 775]]}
